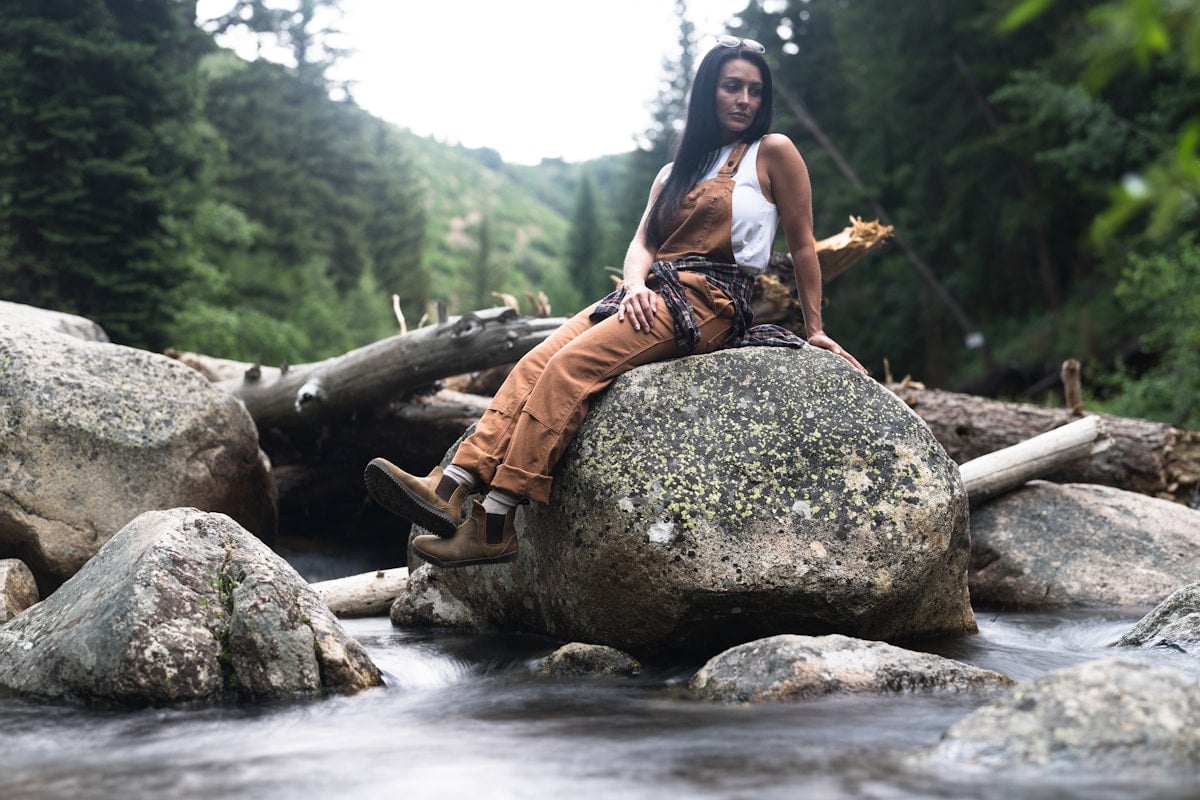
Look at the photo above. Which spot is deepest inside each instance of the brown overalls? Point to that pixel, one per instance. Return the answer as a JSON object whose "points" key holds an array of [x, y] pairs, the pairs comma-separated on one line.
{"points": [[542, 403]]}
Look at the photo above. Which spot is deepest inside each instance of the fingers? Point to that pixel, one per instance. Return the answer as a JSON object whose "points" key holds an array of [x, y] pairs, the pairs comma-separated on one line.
{"points": [[854, 361], [837, 350], [640, 308]]}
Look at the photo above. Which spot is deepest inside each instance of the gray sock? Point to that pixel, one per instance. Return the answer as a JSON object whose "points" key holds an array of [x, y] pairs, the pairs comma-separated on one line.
{"points": [[499, 501], [463, 477]]}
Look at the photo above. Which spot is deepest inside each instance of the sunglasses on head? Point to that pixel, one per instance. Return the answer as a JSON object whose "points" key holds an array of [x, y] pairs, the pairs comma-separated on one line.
{"points": [[734, 41]]}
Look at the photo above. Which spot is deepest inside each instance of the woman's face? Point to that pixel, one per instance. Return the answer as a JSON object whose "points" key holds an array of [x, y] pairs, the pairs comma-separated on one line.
{"points": [[739, 94]]}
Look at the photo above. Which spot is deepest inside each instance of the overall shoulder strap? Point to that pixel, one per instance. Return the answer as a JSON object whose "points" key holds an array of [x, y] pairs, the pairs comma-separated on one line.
{"points": [[730, 167]]}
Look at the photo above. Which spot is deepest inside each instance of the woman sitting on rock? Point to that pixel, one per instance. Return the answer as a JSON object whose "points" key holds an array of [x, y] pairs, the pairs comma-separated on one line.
{"points": [[706, 233]]}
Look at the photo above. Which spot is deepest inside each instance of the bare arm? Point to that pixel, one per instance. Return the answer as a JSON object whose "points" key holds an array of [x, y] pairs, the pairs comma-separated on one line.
{"points": [[640, 303], [788, 185]]}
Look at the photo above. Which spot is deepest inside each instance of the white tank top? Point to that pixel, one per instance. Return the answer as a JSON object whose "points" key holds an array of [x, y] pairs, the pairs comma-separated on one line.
{"points": [[755, 218]]}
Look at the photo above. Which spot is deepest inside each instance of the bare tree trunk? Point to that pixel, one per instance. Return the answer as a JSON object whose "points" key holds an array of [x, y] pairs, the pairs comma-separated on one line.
{"points": [[1004, 470], [1148, 457], [370, 376], [775, 298], [367, 595]]}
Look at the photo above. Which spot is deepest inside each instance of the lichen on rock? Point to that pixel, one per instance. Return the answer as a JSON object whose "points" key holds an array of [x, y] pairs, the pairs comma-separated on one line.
{"points": [[181, 606], [720, 498]]}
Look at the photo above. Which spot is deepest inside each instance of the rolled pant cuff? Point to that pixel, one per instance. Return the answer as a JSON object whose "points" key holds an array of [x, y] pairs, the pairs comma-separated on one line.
{"points": [[479, 463], [522, 483]]}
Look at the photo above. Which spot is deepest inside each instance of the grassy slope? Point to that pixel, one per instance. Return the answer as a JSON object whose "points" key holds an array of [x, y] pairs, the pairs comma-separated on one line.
{"points": [[528, 234]]}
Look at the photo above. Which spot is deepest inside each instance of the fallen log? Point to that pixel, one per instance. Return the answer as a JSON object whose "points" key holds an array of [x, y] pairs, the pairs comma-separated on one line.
{"points": [[775, 299], [1007, 469], [367, 595], [837, 253], [309, 394], [1148, 457]]}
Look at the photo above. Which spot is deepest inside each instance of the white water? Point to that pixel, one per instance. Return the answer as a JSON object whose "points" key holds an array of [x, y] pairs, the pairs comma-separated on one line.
{"points": [[462, 717]]}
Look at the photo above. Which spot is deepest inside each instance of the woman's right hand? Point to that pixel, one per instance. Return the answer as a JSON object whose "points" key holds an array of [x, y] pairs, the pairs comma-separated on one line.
{"points": [[640, 304]]}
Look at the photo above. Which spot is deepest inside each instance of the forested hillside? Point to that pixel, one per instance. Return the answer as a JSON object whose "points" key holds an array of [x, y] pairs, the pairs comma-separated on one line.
{"points": [[1039, 158], [488, 232], [182, 196]]}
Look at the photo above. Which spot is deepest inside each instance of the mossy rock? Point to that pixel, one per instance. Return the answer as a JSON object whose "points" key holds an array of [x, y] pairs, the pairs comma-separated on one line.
{"points": [[715, 499]]}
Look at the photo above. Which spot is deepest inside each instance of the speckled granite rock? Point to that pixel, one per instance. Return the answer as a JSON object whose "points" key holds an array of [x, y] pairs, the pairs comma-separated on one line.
{"points": [[716, 499], [1175, 623], [93, 434], [18, 589], [26, 317], [790, 667], [1049, 545], [579, 660], [181, 606], [1116, 716]]}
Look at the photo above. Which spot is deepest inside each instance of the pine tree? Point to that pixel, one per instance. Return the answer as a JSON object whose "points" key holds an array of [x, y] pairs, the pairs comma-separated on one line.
{"points": [[395, 228], [329, 210], [585, 257], [486, 276], [99, 158]]}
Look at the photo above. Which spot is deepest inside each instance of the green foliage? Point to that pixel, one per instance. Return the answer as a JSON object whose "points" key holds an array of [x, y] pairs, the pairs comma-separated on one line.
{"points": [[585, 254], [1000, 159], [486, 277], [1163, 291], [1130, 42], [525, 233], [320, 220], [101, 159]]}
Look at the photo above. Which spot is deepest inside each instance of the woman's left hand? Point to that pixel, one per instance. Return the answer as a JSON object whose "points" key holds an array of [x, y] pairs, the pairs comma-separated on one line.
{"points": [[820, 339]]}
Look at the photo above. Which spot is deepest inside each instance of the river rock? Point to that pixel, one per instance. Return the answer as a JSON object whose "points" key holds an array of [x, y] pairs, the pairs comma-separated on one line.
{"points": [[181, 606], [26, 317], [577, 660], [1175, 623], [1115, 715], [791, 667], [1050, 545], [715, 499], [18, 589], [93, 434]]}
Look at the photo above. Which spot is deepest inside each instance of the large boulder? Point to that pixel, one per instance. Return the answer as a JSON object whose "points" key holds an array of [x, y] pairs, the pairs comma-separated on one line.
{"points": [[715, 499], [1115, 716], [93, 434], [181, 606], [1174, 624], [1050, 545], [790, 667], [26, 317]]}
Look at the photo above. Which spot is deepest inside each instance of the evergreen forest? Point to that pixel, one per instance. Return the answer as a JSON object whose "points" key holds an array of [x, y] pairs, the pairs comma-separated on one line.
{"points": [[1040, 160]]}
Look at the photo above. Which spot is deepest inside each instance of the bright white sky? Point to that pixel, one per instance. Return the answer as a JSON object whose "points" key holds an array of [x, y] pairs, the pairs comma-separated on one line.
{"points": [[529, 78]]}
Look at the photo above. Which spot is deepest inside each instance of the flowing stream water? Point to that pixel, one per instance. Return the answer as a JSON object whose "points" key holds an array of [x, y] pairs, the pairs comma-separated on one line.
{"points": [[462, 716]]}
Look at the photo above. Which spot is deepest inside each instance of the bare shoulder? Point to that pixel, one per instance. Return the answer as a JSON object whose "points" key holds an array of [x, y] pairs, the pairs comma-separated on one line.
{"points": [[779, 149]]}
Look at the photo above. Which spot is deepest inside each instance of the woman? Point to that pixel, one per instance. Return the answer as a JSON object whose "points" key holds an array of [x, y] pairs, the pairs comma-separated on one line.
{"points": [[705, 234]]}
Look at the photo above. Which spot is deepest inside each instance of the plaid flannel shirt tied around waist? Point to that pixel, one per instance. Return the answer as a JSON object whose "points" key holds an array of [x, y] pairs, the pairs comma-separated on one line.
{"points": [[728, 278]]}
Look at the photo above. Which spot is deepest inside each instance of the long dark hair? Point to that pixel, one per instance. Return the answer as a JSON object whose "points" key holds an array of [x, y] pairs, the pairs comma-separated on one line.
{"points": [[701, 139]]}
